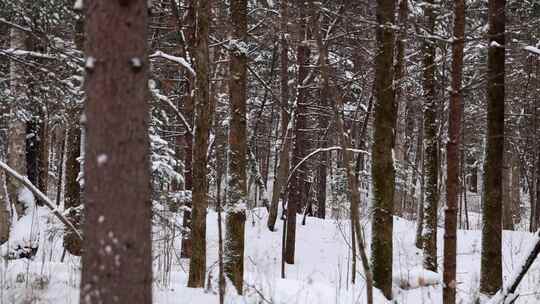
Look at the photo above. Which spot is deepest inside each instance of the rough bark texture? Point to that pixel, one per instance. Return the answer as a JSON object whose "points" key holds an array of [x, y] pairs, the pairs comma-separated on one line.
{"points": [[5, 214], [117, 262], [237, 188], [322, 122], [297, 194], [508, 212], [32, 150], [491, 261], [285, 142], [401, 106], [186, 248], [43, 162], [203, 121], [16, 151], [72, 195], [431, 159], [382, 169], [453, 159]]}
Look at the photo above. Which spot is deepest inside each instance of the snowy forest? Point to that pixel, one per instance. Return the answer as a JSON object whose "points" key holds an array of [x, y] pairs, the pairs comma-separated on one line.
{"points": [[269, 151]]}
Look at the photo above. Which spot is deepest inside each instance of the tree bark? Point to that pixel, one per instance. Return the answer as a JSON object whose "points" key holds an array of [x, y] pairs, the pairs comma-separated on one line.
{"points": [[285, 142], [453, 157], [186, 248], [382, 169], [5, 214], [117, 262], [237, 188], [297, 194], [204, 111], [431, 158], [491, 261], [72, 195], [16, 151]]}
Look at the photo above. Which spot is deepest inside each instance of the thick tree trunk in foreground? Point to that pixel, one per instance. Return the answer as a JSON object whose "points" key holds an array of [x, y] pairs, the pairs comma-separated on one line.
{"points": [[237, 188], [382, 169], [453, 159], [117, 262], [431, 159], [491, 262], [203, 122]]}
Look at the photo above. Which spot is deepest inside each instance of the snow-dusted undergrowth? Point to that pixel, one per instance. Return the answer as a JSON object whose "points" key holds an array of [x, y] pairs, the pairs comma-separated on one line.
{"points": [[321, 273]]}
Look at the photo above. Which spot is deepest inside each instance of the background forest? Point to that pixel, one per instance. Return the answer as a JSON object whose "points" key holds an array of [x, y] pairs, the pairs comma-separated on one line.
{"points": [[269, 151]]}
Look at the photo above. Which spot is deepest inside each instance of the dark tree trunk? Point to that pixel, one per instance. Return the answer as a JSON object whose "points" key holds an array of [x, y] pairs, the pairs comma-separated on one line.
{"points": [[32, 151], [72, 195], [117, 262], [43, 161], [16, 151], [453, 159], [491, 261], [431, 158], [285, 142], [237, 188], [61, 138], [297, 192], [186, 247], [203, 121], [382, 169]]}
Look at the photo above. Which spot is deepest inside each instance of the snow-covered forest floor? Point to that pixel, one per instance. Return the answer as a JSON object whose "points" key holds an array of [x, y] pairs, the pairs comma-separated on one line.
{"points": [[321, 273]]}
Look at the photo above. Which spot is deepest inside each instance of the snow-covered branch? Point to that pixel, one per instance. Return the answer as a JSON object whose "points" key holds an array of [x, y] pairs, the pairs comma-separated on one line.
{"points": [[310, 155], [176, 111], [508, 294], [532, 49], [17, 52], [179, 60], [42, 197]]}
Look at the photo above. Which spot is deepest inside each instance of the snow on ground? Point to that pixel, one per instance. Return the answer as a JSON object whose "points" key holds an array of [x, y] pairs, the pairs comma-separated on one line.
{"points": [[320, 274]]}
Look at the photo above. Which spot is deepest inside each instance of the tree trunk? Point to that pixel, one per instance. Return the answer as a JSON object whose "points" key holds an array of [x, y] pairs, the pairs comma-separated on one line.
{"points": [[32, 150], [431, 159], [237, 192], [382, 169], [117, 262], [297, 192], [400, 144], [203, 121], [186, 247], [5, 214], [453, 157], [72, 195], [61, 142], [43, 162], [507, 208], [491, 261], [285, 142], [16, 151]]}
